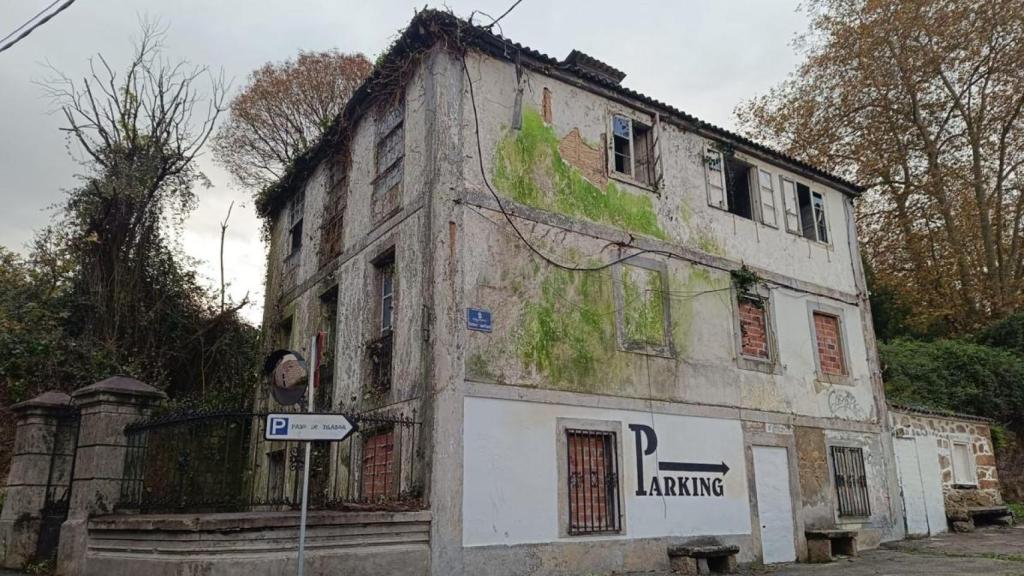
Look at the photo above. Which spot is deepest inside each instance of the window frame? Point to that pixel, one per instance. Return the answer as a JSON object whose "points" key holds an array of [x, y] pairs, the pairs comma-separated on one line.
{"points": [[634, 118], [860, 508], [296, 217], [768, 365], [723, 202], [971, 464], [846, 377], [562, 427], [771, 194], [665, 348]]}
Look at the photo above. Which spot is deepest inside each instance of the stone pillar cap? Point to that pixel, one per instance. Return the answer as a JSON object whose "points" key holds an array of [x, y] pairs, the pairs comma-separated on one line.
{"points": [[50, 399], [121, 385]]}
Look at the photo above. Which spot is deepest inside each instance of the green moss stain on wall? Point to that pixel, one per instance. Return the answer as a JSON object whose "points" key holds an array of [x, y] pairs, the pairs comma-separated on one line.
{"points": [[529, 169], [692, 287], [701, 237], [568, 333], [643, 306]]}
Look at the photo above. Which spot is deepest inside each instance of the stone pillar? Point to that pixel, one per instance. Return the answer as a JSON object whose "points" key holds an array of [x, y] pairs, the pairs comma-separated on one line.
{"points": [[106, 408], [37, 462]]}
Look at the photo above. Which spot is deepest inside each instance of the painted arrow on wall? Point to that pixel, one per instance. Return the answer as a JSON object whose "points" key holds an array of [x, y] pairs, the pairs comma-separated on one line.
{"points": [[692, 467]]}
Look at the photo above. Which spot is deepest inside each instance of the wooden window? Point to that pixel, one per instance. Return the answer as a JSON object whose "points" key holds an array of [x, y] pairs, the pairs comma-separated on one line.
{"points": [[963, 467], [378, 469], [593, 479], [633, 150], [714, 170], [296, 209], [828, 335], [766, 190], [851, 482], [790, 205]]}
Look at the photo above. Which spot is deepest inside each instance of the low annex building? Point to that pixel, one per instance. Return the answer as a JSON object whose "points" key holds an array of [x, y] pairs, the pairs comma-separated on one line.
{"points": [[623, 328], [947, 470]]}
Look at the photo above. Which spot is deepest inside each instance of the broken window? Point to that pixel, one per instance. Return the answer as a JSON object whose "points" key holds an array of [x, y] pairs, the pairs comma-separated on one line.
{"points": [[633, 151], [332, 228], [378, 466], [820, 225], [851, 482], [732, 183], [804, 211], [390, 151], [593, 479], [791, 206], [714, 169], [296, 209], [766, 189], [738, 187], [381, 348]]}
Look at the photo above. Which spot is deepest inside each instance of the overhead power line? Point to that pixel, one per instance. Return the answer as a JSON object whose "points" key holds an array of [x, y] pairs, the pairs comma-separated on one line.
{"points": [[37, 24], [29, 21]]}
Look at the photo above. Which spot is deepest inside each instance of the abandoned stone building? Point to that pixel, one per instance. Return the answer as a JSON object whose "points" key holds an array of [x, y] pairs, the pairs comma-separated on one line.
{"points": [[622, 327], [580, 331]]}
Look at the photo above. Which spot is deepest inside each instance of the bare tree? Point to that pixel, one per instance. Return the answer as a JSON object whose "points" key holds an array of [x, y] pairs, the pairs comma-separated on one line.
{"points": [[284, 109]]}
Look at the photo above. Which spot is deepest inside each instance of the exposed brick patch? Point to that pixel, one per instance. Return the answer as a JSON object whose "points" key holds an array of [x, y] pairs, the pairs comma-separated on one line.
{"points": [[830, 351], [754, 340], [588, 160]]}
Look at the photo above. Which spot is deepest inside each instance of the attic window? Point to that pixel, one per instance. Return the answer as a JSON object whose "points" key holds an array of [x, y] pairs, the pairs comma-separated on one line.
{"points": [[632, 149]]}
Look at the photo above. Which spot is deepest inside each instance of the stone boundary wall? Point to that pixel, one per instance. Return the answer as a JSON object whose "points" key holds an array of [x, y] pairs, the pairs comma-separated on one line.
{"points": [[258, 544]]}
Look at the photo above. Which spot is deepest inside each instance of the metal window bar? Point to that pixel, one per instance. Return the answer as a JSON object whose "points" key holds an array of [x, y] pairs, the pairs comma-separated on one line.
{"points": [[851, 481], [219, 462], [593, 482], [380, 351]]}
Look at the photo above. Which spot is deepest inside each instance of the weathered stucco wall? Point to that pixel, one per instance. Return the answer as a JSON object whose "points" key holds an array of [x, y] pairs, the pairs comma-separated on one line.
{"points": [[561, 329], [678, 212]]}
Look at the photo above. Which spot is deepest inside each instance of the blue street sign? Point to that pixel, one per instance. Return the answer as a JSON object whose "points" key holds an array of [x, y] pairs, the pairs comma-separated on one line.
{"points": [[478, 319]]}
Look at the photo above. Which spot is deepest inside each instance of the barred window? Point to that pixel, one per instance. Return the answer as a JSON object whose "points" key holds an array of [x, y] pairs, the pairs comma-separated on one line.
{"points": [[594, 505], [851, 481], [378, 466]]}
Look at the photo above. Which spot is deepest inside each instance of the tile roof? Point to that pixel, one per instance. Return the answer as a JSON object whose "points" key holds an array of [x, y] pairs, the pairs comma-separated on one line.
{"points": [[429, 26]]}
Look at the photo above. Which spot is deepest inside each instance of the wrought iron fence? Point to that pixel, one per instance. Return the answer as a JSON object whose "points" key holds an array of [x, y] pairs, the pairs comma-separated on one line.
{"points": [[219, 461]]}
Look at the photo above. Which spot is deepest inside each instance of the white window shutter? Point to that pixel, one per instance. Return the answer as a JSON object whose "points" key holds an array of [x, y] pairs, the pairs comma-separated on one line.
{"points": [[791, 206], [767, 193], [714, 170]]}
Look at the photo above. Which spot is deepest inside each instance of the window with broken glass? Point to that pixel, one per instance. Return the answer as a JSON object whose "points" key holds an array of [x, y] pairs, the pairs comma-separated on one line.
{"points": [[389, 155], [296, 209], [381, 348], [633, 150]]}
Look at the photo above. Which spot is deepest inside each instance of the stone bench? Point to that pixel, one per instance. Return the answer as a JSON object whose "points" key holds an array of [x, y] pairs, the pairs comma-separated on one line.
{"points": [[825, 545], [972, 515], [709, 559]]}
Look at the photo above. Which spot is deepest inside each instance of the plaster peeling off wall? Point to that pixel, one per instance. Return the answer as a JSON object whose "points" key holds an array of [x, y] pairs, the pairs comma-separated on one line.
{"points": [[530, 168]]}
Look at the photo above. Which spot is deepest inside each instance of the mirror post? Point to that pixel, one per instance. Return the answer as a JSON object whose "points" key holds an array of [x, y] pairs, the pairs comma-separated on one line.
{"points": [[310, 392]]}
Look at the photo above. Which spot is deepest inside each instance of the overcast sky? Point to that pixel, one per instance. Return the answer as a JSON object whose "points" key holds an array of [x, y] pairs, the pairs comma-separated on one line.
{"points": [[701, 56]]}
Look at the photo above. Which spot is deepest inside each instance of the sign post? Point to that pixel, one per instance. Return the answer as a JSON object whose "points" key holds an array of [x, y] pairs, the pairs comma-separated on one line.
{"points": [[307, 428]]}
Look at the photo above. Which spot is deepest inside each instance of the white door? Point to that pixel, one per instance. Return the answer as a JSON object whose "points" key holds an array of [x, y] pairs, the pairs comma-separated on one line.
{"points": [[774, 505], [931, 479], [912, 486]]}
